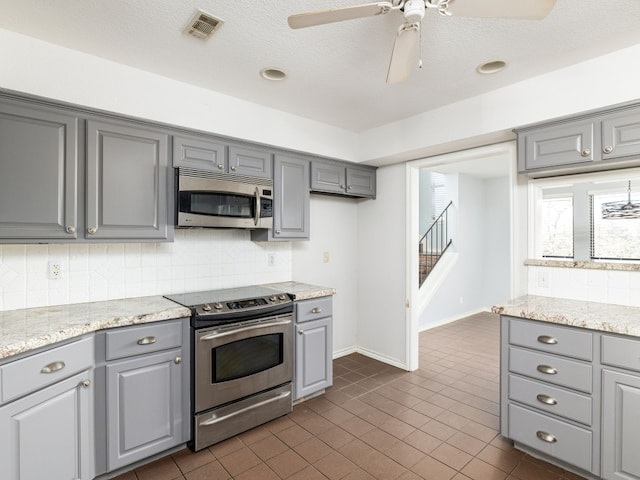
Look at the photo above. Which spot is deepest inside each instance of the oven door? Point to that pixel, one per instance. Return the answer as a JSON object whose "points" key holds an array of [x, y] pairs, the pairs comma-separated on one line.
{"points": [[209, 202], [235, 361]]}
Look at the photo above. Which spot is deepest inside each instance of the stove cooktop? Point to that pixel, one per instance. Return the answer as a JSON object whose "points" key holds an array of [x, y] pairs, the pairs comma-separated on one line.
{"points": [[194, 299]]}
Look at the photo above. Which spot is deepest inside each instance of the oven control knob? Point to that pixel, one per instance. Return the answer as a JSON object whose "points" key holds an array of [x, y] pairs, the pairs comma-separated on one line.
{"points": [[273, 298], [217, 306], [282, 297], [206, 307]]}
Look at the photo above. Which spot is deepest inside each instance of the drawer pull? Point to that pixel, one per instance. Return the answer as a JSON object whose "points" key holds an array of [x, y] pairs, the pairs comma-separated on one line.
{"points": [[546, 399], [147, 340], [86, 383], [546, 369], [547, 340], [316, 310], [52, 367], [546, 437]]}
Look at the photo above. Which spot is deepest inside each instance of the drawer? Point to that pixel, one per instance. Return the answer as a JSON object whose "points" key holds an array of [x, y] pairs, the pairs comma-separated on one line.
{"points": [[37, 371], [570, 342], [556, 438], [152, 337], [561, 371], [540, 395], [314, 309], [621, 352]]}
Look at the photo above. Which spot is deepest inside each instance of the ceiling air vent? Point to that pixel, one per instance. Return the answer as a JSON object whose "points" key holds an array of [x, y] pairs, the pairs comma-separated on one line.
{"points": [[203, 24]]}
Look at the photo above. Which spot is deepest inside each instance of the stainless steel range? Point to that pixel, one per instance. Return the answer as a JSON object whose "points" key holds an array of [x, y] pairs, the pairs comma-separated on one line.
{"points": [[242, 347]]}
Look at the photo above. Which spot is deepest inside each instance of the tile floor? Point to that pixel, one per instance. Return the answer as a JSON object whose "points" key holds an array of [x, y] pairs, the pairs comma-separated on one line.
{"points": [[379, 422]]}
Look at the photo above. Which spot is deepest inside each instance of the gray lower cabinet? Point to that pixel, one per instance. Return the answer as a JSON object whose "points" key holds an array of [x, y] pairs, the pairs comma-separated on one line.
{"points": [[46, 427], [146, 397], [599, 140], [127, 182], [38, 172], [313, 347], [338, 178], [290, 201]]}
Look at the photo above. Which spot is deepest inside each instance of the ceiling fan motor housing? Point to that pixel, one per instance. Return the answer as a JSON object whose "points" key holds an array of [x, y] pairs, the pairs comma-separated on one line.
{"points": [[414, 11]]}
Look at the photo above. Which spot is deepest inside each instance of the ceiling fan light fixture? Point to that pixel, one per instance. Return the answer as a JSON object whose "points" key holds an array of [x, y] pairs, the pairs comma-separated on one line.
{"points": [[273, 74], [493, 66]]}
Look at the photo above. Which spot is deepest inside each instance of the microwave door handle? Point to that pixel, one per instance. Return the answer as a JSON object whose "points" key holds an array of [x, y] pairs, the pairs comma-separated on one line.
{"points": [[257, 219]]}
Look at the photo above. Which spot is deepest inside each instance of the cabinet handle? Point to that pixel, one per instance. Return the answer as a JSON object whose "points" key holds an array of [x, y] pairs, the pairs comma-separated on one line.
{"points": [[278, 232], [220, 166], [546, 369], [547, 339], [147, 340], [607, 149], [70, 229], [586, 152], [546, 399], [349, 187], [341, 185], [177, 360], [316, 310], [92, 230], [234, 168], [300, 332], [546, 437], [52, 367], [85, 383]]}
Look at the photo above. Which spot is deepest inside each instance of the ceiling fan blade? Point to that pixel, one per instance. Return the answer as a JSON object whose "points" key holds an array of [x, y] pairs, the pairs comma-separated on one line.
{"points": [[321, 17], [403, 55], [525, 9]]}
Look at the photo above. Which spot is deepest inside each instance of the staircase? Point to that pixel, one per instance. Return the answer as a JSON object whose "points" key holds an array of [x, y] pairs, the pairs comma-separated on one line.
{"points": [[433, 244]]}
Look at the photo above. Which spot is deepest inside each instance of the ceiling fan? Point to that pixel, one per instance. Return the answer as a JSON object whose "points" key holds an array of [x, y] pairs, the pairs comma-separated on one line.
{"points": [[408, 35]]}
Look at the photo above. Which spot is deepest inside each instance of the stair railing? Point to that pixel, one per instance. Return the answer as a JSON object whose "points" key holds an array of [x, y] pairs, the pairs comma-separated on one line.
{"points": [[433, 244]]}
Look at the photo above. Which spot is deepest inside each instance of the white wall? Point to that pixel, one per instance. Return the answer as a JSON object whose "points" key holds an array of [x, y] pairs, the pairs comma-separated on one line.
{"points": [[382, 227], [497, 265], [425, 200], [197, 260], [334, 229]]}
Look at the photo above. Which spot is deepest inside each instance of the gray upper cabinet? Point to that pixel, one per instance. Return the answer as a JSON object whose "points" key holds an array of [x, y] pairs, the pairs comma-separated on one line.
{"points": [[600, 140], [204, 153], [338, 178], [127, 182], [290, 201], [38, 173]]}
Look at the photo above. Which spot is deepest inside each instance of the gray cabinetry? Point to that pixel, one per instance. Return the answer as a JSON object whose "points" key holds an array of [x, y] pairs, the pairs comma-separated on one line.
{"points": [[598, 140], [146, 377], [38, 172], [290, 201], [338, 178], [314, 347], [205, 153], [47, 430], [127, 182], [550, 393]]}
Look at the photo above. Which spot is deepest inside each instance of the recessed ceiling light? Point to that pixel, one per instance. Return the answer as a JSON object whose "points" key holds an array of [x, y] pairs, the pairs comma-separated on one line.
{"points": [[273, 74], [494, 66]]}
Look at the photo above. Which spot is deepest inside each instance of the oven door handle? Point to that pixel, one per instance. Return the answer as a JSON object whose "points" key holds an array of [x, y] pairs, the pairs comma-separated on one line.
{"points": [[257, 219], [213, 420], [215, 335]]}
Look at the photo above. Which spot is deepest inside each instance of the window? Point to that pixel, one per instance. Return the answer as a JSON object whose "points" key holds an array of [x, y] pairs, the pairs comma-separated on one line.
{"points": [[557, 232], [437, 194], [614, 238]]}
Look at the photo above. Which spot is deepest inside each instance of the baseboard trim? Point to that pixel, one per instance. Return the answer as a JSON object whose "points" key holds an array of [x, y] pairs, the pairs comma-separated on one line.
{"points": [[460, 316]]}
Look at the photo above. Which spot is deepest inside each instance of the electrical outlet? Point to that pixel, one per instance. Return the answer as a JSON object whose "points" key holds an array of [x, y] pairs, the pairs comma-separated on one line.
{"points": [[325, 257], [271, 259], [543, 279], [55, 270]]}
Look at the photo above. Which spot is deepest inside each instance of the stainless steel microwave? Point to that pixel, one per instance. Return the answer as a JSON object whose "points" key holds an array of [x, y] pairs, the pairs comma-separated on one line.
{"points": [[210, 199]]}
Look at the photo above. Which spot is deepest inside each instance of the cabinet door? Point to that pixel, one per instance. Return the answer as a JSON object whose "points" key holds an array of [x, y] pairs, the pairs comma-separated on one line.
{"points": [[291, 198], [127, 183], [361, 182], [49, 434], [620, 435], [200, 153], [621, 134], [38, 173], [314, 363], [144, 407], [328, 177], [556, 146], [254, 163]]}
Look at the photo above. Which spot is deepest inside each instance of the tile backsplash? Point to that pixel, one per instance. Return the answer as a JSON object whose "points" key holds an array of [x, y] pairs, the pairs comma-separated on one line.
{"points": [[605, 286], [198, 259]]}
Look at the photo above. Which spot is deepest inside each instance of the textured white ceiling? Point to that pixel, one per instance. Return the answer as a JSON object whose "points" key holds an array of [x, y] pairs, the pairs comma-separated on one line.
{"points": [[336, 72]]}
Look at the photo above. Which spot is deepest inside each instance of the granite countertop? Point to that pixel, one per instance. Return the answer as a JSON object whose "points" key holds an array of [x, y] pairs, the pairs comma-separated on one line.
{"points": [[301, 291], [596, 316], [31, 328]]}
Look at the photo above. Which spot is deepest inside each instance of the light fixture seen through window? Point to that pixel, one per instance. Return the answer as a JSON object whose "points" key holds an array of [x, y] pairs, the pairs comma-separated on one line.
{"points": [[619, 210]]}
